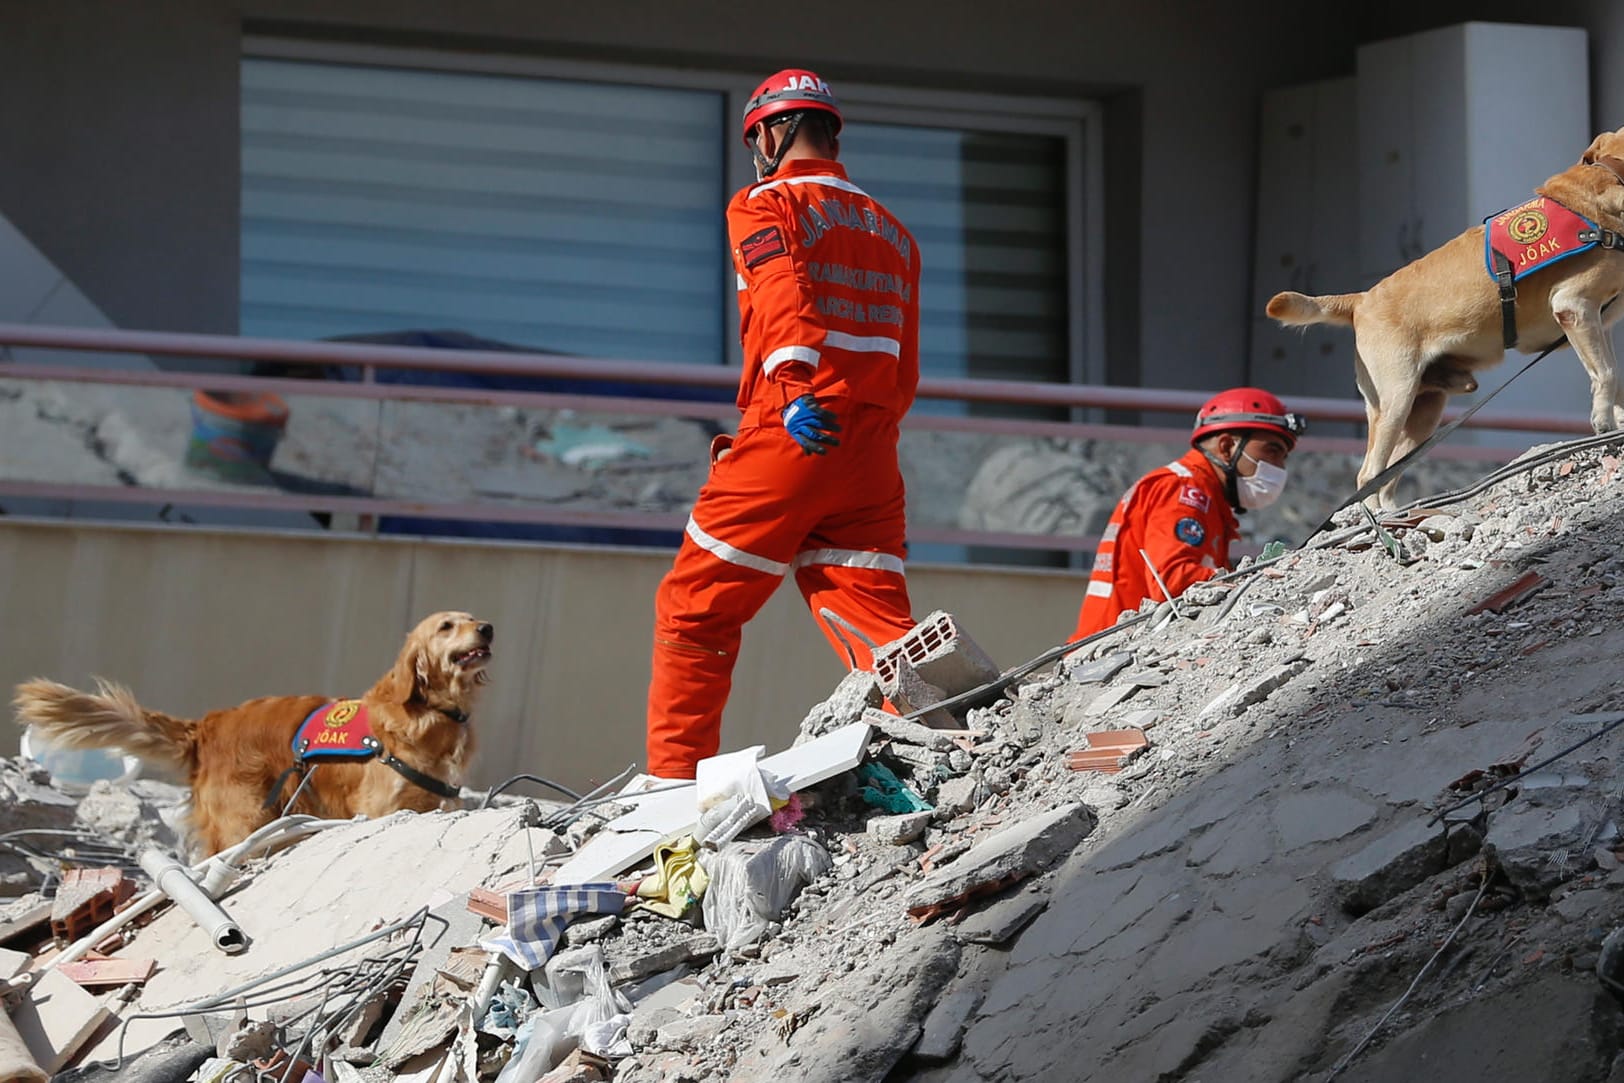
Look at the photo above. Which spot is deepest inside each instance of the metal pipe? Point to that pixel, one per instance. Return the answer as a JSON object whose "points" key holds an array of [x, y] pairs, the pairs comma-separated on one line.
{"points": [[175, 880]]}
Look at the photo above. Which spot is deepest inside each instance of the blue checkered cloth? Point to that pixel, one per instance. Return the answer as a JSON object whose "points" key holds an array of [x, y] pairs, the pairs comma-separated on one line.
{"points": [[538, 917]]}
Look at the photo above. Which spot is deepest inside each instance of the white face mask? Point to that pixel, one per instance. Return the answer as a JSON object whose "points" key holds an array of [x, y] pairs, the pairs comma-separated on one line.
{"points": [[1263, 487]]}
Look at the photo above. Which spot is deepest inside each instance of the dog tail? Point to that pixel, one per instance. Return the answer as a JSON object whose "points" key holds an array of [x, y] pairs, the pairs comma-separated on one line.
{"points": [[1299, 309], [109, 718]]}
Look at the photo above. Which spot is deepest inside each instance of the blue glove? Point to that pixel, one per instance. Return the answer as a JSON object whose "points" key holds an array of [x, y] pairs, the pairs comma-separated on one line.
{"points": [[810, 425]]}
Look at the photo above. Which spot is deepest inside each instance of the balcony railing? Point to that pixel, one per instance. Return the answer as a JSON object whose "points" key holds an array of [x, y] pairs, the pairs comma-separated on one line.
{"points": [[370, 357]]}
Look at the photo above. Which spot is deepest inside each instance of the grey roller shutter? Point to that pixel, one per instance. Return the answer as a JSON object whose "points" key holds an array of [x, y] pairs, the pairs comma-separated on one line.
{"points": [[579, 217]]}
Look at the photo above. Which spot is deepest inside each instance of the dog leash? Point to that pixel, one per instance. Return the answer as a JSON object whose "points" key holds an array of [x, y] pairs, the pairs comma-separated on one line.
{"points": [[1426, 445]]}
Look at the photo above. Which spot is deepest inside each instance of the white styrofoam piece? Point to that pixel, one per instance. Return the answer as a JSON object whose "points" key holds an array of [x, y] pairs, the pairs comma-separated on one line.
{"points": [[608, 853], [829, 755], [630, 838], [654, 811]]}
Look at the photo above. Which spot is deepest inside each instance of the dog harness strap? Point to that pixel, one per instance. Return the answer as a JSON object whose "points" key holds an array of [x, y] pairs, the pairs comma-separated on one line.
{"points": [[1503, 278], [1604, 238], [274, 798], [427, 782]]}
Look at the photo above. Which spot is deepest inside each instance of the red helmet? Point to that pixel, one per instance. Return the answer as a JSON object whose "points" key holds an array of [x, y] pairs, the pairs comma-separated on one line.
{"points": [[790, 91], [1247, 408]]}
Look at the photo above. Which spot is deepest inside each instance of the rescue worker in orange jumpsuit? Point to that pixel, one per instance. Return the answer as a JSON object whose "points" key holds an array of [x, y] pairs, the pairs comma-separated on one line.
{"points": [[1174, 526], [828, 288]]}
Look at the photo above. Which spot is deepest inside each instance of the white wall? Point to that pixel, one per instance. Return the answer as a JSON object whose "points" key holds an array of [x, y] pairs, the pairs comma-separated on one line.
{"points": [[193, 620]]}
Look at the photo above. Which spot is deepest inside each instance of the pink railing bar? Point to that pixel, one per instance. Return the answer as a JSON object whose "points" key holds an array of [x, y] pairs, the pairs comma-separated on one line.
{"points": [[603, 404], [178, 344]]}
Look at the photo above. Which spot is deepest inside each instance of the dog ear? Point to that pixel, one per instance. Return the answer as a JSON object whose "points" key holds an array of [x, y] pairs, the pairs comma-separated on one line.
{"points": [[403, 681], [1613, 163], [1593, 151]]}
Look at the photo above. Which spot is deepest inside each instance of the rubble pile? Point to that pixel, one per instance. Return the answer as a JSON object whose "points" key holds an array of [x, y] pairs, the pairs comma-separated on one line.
{"points": [[1353, 813]]}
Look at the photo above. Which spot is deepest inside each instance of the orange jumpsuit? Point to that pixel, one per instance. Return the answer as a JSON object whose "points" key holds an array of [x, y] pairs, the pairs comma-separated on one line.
{"points": [[1178, 514], [829, 305]]}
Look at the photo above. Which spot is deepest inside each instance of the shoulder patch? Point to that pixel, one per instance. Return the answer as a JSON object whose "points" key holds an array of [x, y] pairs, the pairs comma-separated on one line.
{"points": [[1193, 496], [761, 246], [1190, 531]]}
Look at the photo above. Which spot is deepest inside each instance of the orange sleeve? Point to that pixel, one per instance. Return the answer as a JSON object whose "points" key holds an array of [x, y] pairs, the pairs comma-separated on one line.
{"points": [[785, 336], [1180, 538]]}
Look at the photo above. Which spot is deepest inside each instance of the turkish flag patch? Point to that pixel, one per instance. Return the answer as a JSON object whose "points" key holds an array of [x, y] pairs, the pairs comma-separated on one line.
{"points": [[761, 246], [1194, 497]]}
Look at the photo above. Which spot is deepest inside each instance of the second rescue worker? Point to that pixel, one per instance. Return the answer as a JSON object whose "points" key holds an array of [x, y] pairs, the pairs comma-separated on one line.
{"points": [[828, 286]]}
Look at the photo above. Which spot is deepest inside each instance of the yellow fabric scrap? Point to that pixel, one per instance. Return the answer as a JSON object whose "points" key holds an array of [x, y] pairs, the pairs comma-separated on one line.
{"points": [[678, 881]]}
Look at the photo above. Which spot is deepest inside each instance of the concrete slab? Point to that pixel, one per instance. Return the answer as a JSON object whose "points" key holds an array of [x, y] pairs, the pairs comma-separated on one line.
{"points": [[944, 1026], [56, 1018], [997, 923], [1390, 864], [1318, 816], [326, 891], [1025, 847]]}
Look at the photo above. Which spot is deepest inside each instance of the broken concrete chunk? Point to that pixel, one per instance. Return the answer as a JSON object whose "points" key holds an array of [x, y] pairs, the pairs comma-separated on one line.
{"points": [[1389, 866], [1109, 698], [996, 923], [957, 794], [920, 759], [684, 1034], [898, 830], [1021, 849], [1531, 844], [694, 949], [944, 1027], [857, 692], [1101, 669], [910, 732]]}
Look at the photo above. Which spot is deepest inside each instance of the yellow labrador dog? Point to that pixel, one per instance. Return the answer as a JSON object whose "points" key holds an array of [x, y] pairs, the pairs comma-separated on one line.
{"points": [[1423, 331]]}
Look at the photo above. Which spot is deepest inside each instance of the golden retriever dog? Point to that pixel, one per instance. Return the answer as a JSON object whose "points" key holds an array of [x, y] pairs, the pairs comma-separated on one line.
{"points": [[1423, 331], [238, 760]]}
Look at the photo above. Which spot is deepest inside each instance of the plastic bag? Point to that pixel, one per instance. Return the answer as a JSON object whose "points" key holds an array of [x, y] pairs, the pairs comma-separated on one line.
{"points": [[601, 1015], [542, 1042], [752, 883]]}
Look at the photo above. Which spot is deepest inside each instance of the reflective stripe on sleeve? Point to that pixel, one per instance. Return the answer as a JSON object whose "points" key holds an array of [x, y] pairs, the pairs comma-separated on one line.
{"points": [[1180, 469], [1099, 588], [851, 558], [785, 354], [732, 554], [1110, 532], [860, 344]]}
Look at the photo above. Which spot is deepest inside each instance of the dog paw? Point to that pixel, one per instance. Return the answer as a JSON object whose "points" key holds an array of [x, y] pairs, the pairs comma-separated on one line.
{"points": [[1606, 420], [1618, 417]]}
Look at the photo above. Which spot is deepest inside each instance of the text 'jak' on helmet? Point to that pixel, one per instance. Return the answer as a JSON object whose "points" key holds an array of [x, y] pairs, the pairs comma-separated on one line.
{"points": [[792, 90]]}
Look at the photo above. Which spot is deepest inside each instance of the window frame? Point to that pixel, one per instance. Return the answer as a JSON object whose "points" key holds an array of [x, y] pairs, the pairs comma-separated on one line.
{"points": [[1077, 122]]}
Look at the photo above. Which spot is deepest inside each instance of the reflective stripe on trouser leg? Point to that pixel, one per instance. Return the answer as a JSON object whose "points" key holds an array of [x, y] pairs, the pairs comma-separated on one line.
{"points": [[702, 604], [874, 600]]}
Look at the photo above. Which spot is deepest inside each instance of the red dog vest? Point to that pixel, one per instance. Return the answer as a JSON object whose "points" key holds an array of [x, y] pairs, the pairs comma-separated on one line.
{"points": [[337, 729], [1533, 235]]}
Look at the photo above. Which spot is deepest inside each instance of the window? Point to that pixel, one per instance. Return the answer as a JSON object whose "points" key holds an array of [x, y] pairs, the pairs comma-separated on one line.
{"points": [[575, 217], [578, 209]]}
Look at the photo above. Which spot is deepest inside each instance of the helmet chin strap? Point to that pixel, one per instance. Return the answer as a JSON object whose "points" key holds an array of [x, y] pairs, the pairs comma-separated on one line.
{"points": [[765, 166], [1231, 472]]}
